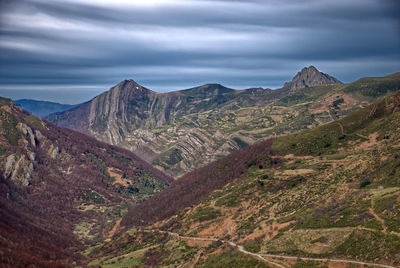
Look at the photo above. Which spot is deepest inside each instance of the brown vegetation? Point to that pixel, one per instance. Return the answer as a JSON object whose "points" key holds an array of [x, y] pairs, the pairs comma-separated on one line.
{"points": [[196, 185], [37, 220]]}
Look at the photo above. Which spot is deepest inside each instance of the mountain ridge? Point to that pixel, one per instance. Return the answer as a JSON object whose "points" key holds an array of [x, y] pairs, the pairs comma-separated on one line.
{"points": [[324, 193], [43, 108], [182, 130]]}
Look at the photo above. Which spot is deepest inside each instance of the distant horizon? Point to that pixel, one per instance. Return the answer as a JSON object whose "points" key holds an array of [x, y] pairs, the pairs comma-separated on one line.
{"points": [[75, 94]]}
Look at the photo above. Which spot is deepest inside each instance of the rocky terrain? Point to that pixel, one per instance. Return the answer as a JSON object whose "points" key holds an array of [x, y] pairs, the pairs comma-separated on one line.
{"points": [[310, 77], [180, 131], [61, 191], [324, 197]]}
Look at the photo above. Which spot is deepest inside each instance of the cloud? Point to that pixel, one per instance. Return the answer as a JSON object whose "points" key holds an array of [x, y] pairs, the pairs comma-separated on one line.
{"points": [[168, 44]]}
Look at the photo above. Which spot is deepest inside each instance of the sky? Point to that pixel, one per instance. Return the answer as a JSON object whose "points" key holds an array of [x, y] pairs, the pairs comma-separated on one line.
{"points": [[70, 51]]}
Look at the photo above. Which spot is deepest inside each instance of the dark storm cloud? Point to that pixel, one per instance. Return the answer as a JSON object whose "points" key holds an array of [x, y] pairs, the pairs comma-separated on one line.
{"points": [[172, 44]]}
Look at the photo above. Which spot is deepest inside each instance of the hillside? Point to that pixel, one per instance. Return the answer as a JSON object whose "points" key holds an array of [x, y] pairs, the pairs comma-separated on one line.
{"points": [[184, 130], [331, 192], [61, 191], [42, 108]]}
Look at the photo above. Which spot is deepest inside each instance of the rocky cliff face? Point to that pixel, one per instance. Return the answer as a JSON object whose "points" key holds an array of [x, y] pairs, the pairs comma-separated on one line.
{"points": [[127, 107], [310, 77]]}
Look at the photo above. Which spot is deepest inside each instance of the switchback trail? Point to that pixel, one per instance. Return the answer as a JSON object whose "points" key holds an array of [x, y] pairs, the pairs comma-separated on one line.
{"points": [[262, 256]]}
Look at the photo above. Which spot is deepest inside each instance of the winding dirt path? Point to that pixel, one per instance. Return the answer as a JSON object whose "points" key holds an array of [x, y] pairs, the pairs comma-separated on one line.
{"points": [[262, 256]]}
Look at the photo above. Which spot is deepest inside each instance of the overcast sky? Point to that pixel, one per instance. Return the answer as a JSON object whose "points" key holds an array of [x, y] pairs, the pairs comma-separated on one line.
{"points": [[70, 50]]}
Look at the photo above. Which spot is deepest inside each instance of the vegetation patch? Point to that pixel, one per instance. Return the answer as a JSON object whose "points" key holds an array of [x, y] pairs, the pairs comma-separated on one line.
{"points": [[253, 245], [205, 214], [9, 127], [34, 121], [309, 264], [228, 200], [240, 143], [367, 245], [308, 241], [233, 259], [98, 163], [389, 209], [91, 196]]}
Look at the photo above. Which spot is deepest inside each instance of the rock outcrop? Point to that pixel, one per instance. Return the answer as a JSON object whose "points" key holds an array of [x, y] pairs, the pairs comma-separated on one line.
{"points": [[19, 169], [310, 77]]}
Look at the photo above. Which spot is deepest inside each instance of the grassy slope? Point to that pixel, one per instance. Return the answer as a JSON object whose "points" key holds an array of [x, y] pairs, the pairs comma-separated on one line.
{"points": [[334, 193]]}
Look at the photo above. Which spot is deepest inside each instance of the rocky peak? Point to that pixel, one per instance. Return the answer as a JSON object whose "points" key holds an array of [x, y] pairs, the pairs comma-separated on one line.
{"points": [[310, 77], [129, 86]]}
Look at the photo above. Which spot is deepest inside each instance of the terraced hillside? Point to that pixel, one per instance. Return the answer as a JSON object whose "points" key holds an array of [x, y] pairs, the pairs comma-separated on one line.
{"points": [[196, 139], [331, 192], [183, 130], [61, 191]]}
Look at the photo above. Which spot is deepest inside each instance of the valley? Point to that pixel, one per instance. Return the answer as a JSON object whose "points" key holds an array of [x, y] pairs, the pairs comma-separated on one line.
{"points": [[293, 177], [61, 191], [199, 134], [331, 196]]}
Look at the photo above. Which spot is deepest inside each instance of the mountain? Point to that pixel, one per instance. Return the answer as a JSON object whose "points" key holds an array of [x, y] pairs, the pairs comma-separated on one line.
{"points": [[126, 107], [61, 191], [42, 108], [182, 130], [328, 193], [310, 77]]}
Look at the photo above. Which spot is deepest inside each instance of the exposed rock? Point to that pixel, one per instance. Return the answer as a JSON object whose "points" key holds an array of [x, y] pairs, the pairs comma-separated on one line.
{"points": [[9, 165], [53, 151], [19, 171], [31, 155], [309, 77], [39, 136], [128, 106], [27, 131]]}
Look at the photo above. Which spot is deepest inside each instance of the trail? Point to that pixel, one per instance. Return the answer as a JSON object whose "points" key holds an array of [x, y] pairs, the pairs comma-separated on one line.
{"points": [[341, 128], [262, 256], [379, 219]]}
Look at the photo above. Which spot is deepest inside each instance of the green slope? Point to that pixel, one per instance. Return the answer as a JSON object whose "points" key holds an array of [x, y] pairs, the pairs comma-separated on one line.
{"points": [[333, 192]]}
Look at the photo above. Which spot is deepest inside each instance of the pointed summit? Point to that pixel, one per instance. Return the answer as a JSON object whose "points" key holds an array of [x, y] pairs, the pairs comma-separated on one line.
{"points": [[310, 77], [129, 85]]}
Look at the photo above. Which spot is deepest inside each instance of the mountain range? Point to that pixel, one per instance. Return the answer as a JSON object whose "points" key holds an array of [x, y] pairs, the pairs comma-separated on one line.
{"points": [[324, 197], [302, 176], [180, 131], [42, 108]]}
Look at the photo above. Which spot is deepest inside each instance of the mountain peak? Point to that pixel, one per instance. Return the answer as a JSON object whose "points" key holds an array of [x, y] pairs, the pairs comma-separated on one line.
{"points": [[310, 77], [212, 85], [208, 89], [129, 83], [128, 86]]}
